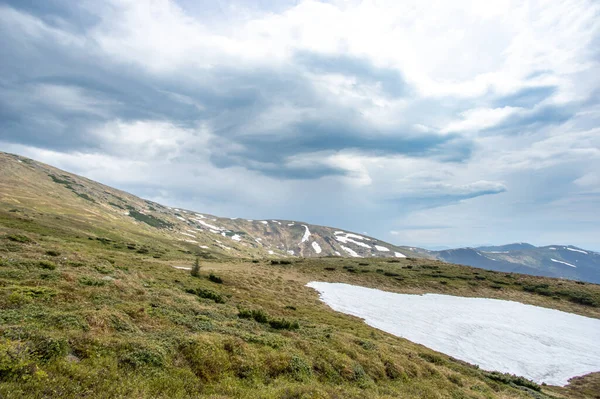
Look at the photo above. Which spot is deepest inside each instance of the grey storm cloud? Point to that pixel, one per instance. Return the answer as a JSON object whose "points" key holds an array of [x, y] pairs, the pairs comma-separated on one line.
{"points": [[259, 107], [231, 99]]}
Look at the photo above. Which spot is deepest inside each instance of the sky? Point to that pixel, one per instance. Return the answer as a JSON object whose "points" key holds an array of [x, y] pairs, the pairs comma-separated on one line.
{"points": [[429, 124]]}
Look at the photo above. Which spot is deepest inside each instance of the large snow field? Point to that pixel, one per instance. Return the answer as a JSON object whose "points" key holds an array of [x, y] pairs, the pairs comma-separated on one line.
{"points": [[544, 345]]}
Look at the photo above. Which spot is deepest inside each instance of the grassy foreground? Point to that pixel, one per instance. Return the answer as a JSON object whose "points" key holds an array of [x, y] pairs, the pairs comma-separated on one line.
{"points": [[90, 314]]}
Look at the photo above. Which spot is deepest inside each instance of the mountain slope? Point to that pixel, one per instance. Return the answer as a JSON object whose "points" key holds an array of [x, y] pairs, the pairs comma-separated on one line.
{"points": [[562, 261], [97, 300], [32, 184]]}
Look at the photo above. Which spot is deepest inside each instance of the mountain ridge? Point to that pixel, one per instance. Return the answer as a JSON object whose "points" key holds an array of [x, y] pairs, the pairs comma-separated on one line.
{"points": [[195, 230]]}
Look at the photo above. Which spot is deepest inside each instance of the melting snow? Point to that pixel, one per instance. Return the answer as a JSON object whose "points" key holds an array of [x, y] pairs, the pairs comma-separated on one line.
{"points": [[541, 344], [399, 255], [382, 249], [210, 226], [350, 251], [236, 237], [306, 234], [576, 250], [316, 247], [560, 261], [347, 240]]}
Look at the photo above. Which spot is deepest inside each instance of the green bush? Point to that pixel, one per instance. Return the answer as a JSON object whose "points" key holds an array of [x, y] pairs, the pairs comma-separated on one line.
{"points": [[91, 282], [284, 324], [511, 379], [206, 294], [258, 315], [49, 348], [137, 357], [19, 238], [215, 279], [46, 264], [195, 272], [52, 252], [15, 361]]}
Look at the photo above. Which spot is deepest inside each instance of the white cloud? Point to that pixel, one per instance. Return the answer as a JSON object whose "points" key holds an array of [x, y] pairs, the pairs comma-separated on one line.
{"points": [[480, 118]]}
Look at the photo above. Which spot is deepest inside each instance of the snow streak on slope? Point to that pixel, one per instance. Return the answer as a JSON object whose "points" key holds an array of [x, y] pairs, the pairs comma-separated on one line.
{"points": [[560, 261], [316, 247], [576, 250], [541, 344], [306, 234], [350, 251]]}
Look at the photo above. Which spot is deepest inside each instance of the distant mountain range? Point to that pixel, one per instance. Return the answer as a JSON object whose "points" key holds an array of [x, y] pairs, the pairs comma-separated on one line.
{"points": [[562, 261]]}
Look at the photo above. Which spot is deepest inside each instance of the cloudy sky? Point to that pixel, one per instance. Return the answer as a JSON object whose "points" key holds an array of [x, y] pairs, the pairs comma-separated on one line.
{"points": [[438, 123]]}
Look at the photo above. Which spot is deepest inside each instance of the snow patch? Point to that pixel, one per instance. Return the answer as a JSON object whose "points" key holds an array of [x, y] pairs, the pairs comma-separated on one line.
{"points": [[576, 250], [399, 255], [271, 252], [346, 240], [188, 234], [382, 249], [210, 226], [544, 345], [203, 246], [351, 252], [291, 224], [290, 252], [264, 222], [560, 261], [236, 237], [180, 218], [306, 234], [337, 253], [316, 247]]}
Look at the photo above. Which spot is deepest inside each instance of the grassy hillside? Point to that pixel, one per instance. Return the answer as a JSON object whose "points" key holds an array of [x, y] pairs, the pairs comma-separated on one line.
{"points": [[97, 318], [93, 305], [38, 187]]}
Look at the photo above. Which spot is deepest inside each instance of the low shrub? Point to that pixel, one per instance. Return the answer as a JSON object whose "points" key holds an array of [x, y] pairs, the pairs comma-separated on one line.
{"points": [[258, 315], [91, 282], [511, 379], [215, 279], [46, 264], [284, 324], [19, 238], [137, 357], [206, 294], [195, 272], [52, 252], [262, 317]]}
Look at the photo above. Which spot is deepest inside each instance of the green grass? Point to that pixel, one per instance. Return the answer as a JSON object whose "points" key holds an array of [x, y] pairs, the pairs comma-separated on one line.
{"points": [[84, 313]]}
